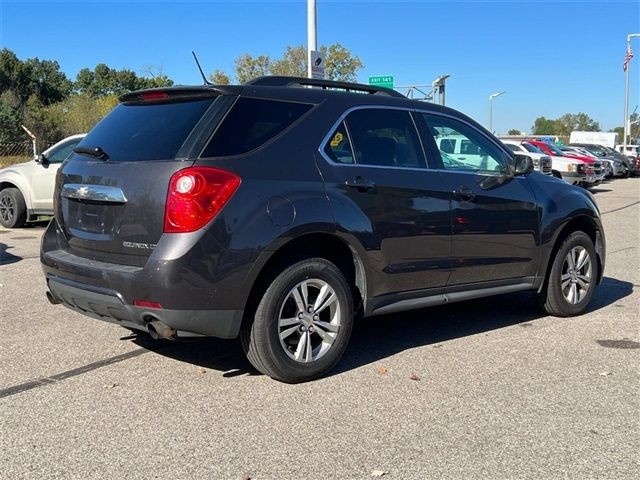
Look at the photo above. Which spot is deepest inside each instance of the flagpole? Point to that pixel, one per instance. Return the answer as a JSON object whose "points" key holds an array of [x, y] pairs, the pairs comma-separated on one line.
{"points": [[626, 93], [626, 98]]}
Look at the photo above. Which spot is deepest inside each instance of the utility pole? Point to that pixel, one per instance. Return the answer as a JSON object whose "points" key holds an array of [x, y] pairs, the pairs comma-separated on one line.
{"points": [[312, 36]]}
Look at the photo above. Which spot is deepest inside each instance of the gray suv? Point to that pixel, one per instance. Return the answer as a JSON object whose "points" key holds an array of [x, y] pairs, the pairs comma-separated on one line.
{"points": [[278, 210]]}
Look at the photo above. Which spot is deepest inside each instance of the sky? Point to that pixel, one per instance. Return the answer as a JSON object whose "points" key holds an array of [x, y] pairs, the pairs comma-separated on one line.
{"points": [[550, 57]]}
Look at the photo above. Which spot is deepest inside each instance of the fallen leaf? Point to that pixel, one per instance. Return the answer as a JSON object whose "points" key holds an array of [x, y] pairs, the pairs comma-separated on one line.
{"points": [[414, 376], [382, 370], [201, 371], [378, 473], [110, 385], [604, 374], [246, 477]]}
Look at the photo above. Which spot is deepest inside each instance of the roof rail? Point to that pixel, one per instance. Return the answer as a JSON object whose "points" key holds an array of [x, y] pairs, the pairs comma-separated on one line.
{"points": [[281, 81]]}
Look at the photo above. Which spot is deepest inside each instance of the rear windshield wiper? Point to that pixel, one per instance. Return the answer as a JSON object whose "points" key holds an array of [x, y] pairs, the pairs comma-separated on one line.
{"points": [[96, 152]]}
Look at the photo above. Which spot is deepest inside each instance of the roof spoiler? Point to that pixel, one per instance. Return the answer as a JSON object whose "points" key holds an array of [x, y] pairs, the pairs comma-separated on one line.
{"points": [[176, 93], [281, 81]]}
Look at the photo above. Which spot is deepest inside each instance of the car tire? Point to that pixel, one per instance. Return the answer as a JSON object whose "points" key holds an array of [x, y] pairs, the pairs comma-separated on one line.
{"points": [[13, 211], [289, 344], [572, 278]]}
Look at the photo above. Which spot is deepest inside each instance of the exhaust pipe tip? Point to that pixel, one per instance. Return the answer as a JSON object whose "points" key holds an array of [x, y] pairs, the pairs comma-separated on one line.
{"points": [[52, 299], [158, 330]]}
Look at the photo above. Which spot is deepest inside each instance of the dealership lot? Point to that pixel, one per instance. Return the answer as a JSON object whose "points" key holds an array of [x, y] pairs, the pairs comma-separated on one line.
{"points": [[481, 389]]}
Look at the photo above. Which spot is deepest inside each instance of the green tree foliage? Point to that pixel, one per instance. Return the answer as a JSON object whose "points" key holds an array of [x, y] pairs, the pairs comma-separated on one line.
{"points": [[35, 93], [544, 126], [340, 64], [104, 81], [249, 67], [514, 131], [293, 63], [218, 77], [570, 122], [634, 132], [32, 77]]}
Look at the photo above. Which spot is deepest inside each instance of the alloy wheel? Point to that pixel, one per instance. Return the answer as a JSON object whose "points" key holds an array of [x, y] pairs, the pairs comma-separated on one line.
{"points": [[7, 208], [576, 275], [309, 320]]}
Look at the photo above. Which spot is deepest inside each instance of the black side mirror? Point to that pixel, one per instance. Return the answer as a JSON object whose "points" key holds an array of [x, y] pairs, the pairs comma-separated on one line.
{"points": [[523, 164], [42, 158]]}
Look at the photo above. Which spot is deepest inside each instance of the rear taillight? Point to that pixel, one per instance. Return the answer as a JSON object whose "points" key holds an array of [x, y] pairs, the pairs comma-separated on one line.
{"points": [[196, 195]]}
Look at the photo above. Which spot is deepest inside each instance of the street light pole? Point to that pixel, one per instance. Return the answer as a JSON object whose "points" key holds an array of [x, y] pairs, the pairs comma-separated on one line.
{"points": [[626, 125], [312, 37], [491, 97]]}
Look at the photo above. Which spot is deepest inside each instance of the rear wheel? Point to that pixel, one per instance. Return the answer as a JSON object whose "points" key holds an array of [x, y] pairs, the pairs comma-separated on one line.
{"points": [[302, 324], [13, 211], [572, 278]]}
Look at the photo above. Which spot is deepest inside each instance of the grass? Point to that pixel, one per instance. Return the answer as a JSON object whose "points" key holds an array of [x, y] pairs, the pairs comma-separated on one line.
{"points": [[12, 160]]}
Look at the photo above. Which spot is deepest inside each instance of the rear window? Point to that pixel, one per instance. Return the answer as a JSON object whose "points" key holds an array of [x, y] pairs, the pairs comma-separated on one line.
{"points": [[151, 131], [251, 123]]}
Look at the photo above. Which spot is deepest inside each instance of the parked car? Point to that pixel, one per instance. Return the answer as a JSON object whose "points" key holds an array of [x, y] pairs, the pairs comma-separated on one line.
{"points": [[26, 189], [622, 163], [607, 168], [277, 213], [569, 170], [593, 168]]}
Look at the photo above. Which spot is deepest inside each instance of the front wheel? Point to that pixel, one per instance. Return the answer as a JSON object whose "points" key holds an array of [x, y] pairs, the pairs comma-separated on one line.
{"points": [[572, 279], [13, 211], [302, 324]]}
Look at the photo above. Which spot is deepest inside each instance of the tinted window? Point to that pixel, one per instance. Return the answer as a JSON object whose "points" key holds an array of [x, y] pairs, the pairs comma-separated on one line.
{"points": [[338, 147], [512, 147], [63, 151], [152, 131], [251, 123], [476, 153], [385, 137], [531, 148]]}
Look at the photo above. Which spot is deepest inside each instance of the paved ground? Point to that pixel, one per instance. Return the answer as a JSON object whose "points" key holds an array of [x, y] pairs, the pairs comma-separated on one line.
{"points": [[503, 392]]}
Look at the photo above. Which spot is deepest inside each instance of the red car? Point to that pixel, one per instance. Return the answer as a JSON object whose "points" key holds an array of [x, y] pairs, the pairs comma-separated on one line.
{"points": [[551, 149]]}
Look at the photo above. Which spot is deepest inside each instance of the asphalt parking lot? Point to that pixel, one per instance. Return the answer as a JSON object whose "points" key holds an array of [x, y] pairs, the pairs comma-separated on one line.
{"points": [[482, 389]]}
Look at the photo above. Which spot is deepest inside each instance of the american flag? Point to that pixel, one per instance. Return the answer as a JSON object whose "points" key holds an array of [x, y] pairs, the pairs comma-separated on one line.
{"points": [[627, 59]]}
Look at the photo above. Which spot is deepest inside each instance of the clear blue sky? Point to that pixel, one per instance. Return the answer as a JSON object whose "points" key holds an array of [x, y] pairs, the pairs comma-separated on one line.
{"points": [[550, 57]]}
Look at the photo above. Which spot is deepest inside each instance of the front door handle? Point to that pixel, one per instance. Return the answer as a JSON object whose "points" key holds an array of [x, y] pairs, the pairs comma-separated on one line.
{"points": [[361, 183], [464, 193]]}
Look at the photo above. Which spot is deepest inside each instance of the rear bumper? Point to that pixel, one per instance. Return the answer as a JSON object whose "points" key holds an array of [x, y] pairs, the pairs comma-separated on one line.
{"points": [[195, 299], [109, 306]]}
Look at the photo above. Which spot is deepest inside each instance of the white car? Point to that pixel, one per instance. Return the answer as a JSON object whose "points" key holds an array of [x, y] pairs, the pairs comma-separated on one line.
{"points": [[570, 170], [26, 189]]}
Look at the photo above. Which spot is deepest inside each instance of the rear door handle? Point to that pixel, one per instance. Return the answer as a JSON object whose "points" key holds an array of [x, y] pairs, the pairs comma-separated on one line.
{"points": [[361, 183], [464, 193]]}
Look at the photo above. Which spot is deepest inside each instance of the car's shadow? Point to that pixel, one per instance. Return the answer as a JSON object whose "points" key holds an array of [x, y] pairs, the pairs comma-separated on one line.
{"points": [[377, 338], [7, 258]]}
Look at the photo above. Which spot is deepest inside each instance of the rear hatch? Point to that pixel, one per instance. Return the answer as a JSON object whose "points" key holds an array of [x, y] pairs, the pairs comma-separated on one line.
{"points": [[110, 195]]}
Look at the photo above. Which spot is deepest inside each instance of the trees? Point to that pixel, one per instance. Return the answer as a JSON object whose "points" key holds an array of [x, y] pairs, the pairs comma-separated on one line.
{"points": [[569, 122], [564, 125], [340, 64], [218, 77], [514, 131], [544, 126], [38, 94], [103, 80]]}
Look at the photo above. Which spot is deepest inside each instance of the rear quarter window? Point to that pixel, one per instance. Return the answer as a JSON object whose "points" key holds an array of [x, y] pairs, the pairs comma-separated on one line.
{"points": [[251, 123], [146, 131]]}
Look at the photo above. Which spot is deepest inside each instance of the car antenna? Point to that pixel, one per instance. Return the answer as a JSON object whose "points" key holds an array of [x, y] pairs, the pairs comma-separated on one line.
{"points": [[204, 78]]}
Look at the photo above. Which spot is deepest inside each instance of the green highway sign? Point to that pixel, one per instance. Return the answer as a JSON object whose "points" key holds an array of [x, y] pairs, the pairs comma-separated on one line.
{"points": [[382, 81]]}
